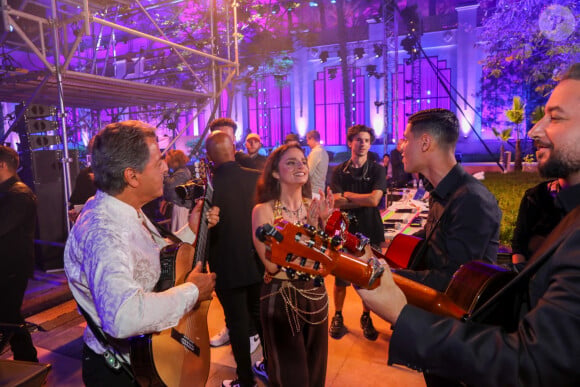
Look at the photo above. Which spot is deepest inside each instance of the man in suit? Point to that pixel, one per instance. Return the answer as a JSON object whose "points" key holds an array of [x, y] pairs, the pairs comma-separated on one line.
{"points": [[229, 126], [231, 252], [17, 225], [544, 348]]}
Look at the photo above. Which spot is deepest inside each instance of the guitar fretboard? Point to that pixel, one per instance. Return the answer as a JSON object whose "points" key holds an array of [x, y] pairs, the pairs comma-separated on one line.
{"points": [[203, 231]]}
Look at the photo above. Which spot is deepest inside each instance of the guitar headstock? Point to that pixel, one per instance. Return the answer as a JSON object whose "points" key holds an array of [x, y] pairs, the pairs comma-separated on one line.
{"points": [[299, 248], [303, 249], [337, 225], [201, 170]]}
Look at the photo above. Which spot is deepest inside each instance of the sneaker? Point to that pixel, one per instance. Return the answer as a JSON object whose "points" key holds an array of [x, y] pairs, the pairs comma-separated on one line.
{"points": [[221, 338], [254, 343], [234, 383], [337, 328], [259, 369], [369, 330]]}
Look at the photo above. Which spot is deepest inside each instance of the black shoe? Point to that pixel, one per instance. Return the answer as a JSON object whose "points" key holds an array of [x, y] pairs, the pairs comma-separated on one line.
{"points": [[337, 328], [369, 330]]}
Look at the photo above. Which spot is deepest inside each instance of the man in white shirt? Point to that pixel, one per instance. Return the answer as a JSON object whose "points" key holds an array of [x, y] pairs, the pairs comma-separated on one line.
{"points": [[112, 253], [317, 163]]}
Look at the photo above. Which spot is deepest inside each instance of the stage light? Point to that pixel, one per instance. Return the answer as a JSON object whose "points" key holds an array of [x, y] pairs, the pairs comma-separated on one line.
{"points": [[408, 43], [313, 4], [331, 74], [378, 49], [359, 52], [323, 56]]}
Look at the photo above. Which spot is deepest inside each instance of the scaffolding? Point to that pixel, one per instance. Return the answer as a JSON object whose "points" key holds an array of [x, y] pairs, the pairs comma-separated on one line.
{"points": [[72, 60]]}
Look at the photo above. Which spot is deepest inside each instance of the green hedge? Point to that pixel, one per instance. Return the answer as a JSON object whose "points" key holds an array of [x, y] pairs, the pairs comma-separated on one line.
{"points": [[509, 189]]}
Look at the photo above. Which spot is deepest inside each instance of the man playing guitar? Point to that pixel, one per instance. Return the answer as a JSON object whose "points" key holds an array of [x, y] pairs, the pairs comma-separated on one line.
{"points": [[112, 253]]}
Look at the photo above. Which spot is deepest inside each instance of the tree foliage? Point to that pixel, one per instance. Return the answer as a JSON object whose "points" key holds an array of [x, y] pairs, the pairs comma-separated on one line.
{"points": [[523, 55]]}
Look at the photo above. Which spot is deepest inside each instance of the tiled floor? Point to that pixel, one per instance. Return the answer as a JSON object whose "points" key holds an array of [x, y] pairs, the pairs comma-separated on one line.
{"points": [[353, 360]]}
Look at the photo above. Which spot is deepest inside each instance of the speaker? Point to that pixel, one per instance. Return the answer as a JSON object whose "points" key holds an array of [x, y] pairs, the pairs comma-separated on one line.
{"points": [[42, 171]]}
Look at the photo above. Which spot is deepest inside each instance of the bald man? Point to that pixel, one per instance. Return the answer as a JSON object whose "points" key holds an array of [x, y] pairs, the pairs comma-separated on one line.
{"points": [[231, 252]]}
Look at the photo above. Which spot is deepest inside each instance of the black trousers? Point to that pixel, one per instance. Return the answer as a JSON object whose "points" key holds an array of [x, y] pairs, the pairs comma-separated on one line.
{"points": [[241, 307], [299, 359], [12, 290], [96, 372]]}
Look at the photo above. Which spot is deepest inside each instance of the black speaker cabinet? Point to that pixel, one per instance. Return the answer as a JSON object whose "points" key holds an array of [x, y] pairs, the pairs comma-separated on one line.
{"points": [[41, 170]]}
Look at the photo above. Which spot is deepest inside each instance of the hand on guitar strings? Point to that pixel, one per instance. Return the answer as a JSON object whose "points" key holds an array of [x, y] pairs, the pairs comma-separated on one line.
{"points": [[205, 282], [387, 300], [211, 216], [321, 208]]}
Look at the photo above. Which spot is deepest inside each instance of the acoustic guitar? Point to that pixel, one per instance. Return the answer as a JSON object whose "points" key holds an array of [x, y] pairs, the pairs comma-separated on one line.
{"points": [[178, 356], [305, 251]]}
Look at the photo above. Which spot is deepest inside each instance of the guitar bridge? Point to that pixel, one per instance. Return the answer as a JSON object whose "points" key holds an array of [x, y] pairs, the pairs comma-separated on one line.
{"points": [[185, 341]]}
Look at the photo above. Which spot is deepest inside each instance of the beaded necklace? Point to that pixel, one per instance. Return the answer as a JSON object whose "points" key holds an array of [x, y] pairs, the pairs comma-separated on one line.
{"points": [[297, 216]]}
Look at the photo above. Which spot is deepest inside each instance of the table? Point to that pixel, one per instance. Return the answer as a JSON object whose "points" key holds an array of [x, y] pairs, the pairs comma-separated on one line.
{"points": [[407, 215]]}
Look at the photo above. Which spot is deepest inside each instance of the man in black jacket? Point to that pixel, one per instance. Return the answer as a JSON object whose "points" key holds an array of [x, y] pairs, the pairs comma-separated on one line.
{"points": [[17, 225], [545, 347], [231, 252]]}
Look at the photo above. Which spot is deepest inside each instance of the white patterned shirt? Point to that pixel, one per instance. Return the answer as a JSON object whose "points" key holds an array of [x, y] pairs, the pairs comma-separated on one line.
{"points": [[112, 263]]}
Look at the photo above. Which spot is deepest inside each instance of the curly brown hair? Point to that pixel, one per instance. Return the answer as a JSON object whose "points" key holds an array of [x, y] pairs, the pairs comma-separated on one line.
{"points": [[268, 187], [178, 156]]}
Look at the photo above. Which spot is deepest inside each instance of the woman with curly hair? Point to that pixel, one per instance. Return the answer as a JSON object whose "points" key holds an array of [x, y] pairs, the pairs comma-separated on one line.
{"points": [[294, 312]]}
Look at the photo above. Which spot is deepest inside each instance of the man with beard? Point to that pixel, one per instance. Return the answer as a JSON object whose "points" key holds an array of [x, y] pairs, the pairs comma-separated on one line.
{"points": [[544, 347]]}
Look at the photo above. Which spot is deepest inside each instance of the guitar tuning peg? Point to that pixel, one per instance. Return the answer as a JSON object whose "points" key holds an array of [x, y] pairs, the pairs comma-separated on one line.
{"points": [[303, 277], [318, 281], [290, 273], [322, 234], [336, 241]]}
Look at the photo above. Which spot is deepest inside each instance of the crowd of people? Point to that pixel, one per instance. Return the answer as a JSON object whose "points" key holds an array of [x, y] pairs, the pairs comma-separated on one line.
{"points": [[112, 253]]}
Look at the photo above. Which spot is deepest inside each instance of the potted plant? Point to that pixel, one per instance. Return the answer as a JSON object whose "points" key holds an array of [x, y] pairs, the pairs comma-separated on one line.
{"points": [[528, 163]]}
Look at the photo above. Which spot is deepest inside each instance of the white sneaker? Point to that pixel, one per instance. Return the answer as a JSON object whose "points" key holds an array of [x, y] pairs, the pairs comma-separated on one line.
{"points": [[221, 338], [254, 342]]}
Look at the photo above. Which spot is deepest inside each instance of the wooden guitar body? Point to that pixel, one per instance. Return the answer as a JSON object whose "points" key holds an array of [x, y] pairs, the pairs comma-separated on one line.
{"points": [[475, 282], [177, 356], [402, 249]]}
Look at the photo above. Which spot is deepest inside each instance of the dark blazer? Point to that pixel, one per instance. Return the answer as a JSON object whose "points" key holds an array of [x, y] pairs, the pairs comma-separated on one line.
{"points": [[543, 351], [231, 250], [17, 227]]}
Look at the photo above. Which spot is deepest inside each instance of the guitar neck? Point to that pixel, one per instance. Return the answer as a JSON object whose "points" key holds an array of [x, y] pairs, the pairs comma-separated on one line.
{"points": [[201, 243], [427, 298]]}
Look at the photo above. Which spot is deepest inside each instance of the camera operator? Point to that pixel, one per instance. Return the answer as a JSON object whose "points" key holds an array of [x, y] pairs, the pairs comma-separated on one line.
{"points": [[179, 174]]}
